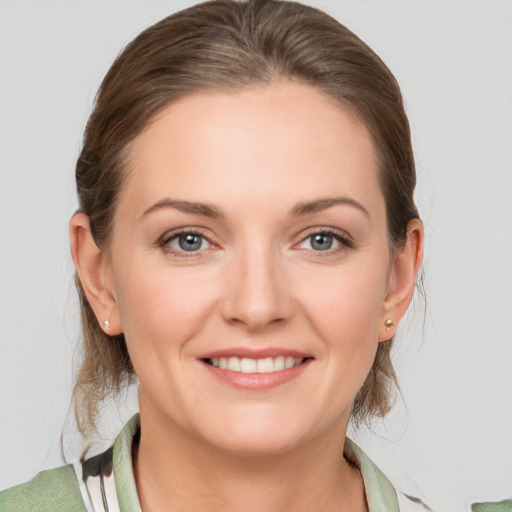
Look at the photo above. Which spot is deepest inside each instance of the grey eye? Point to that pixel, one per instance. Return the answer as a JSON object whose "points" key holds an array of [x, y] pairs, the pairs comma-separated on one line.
{"points": [[188, 242], [321, 241]]}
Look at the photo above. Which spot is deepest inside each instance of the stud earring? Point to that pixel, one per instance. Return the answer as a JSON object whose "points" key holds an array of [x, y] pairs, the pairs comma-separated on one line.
{"points": [[106, 324], [389, 324]]}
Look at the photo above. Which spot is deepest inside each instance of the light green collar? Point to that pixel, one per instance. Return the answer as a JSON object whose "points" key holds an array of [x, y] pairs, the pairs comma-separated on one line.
{"points": [[126, 489], [380, 494]]}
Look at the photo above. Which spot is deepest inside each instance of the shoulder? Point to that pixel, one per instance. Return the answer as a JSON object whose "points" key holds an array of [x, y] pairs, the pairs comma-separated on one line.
{"points": [[102, 482], [502, 506], [56, 490]]}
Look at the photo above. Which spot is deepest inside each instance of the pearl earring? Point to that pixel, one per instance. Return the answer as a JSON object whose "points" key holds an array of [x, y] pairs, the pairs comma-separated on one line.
{"points": [[106, 324], [389, 324]]}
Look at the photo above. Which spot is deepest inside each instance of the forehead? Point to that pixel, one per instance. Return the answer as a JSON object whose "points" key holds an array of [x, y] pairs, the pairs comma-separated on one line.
{"points": [[284, 137]]}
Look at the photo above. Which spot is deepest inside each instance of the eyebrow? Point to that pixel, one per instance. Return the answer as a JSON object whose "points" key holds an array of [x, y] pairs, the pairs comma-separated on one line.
{"points": [[213, 212], [325, 203], [204, 209]]}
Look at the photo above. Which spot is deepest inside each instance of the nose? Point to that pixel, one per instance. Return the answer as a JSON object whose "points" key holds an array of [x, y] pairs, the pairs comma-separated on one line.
{"points": [[257, 293]]}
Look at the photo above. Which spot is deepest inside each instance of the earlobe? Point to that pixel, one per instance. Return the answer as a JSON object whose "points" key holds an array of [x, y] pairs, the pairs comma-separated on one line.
{"points": [[94, 273], [405, 267]]}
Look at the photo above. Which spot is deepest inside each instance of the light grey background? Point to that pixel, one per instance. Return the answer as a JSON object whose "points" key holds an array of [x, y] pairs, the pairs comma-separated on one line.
{"points": [[450, 435]]}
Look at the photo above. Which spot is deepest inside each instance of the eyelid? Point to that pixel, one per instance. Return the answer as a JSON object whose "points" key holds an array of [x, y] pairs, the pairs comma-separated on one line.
{"points": [[344, 238], [341, 236], [163, 241]]}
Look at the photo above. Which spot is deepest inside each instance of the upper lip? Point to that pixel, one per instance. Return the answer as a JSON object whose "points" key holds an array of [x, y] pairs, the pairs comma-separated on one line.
{"points": [[255, 353]]}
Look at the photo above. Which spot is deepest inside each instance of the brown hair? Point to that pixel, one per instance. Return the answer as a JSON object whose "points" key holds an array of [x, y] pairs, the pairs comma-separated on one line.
{"points": [[228, 44]]}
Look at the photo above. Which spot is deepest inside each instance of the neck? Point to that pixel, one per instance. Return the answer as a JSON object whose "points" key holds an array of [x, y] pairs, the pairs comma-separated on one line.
{"points": [[179, 472]]}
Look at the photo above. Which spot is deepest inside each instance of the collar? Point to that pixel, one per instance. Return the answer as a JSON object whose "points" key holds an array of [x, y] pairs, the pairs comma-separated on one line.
{"points": [[380, 494]]}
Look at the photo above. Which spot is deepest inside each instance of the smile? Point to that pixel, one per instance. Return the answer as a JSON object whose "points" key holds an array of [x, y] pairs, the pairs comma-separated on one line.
{"points": [[249, 365], [256, 369]]}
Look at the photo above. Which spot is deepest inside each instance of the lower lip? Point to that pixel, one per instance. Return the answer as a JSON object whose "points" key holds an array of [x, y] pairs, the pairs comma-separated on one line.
{"points": [[257, 381]]}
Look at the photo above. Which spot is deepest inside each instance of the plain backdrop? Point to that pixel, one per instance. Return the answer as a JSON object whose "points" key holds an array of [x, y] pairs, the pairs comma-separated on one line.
{"points": [[449, 437]]}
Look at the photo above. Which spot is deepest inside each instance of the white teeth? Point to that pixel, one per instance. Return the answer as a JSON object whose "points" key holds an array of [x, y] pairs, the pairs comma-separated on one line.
{"points": [[289, 362], [279, 363], [248, 365], [265, 365]]}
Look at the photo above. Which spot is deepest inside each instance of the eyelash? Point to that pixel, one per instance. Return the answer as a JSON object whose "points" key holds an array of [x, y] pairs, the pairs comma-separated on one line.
{"points": [[341, 237], [165, 241]]}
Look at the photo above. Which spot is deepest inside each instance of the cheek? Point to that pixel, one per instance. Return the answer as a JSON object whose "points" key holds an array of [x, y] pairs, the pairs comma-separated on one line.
{"points": [[345, 303], [161, 307]]}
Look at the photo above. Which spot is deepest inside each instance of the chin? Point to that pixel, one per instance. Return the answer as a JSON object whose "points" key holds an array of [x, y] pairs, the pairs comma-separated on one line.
{"points": [[264, 445], [258, 437]]}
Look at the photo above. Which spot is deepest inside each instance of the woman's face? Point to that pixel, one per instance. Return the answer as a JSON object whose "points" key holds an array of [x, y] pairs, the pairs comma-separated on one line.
{"points": [[250, 266]]}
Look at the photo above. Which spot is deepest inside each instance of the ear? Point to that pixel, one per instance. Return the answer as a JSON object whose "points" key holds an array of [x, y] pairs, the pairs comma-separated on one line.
{"points": [[94, 271], [404, 269]]}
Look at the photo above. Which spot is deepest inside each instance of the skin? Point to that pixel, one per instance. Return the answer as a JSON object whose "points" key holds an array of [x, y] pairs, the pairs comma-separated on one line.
{"points": [[257, 281]]}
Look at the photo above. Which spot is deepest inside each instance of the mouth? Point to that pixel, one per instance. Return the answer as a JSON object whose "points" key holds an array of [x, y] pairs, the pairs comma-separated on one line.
{"points": [[251, 365], [256, 370]]}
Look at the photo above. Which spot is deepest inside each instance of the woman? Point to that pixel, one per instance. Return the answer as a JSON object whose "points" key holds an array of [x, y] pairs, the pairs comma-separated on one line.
{"points": [[246, 244]]}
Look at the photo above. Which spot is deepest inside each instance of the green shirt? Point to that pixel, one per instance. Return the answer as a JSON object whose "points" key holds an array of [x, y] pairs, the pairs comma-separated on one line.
{"points": [[502, 506], [105, 483]]}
